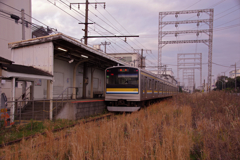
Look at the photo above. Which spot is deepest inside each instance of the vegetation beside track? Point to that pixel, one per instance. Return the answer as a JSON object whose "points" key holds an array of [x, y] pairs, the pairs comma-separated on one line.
{"points": [[30, 128], [189, 126], [215, 123]]}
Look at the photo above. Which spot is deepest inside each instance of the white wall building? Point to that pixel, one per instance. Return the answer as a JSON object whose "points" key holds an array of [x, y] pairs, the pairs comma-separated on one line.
{"points": [[232, 73], [12, 31], [134, 59], [168, 72]]}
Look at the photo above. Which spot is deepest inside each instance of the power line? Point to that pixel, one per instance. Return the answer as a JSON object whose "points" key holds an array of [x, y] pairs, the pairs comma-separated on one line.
{"points": [[192, 4], [90, 20], [123, 28], [226, 14], [216, 4], [98, 25]]}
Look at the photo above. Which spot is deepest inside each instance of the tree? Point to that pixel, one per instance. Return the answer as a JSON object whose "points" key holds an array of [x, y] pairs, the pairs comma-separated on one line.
{"points": [[229, 83], [180, 89]]}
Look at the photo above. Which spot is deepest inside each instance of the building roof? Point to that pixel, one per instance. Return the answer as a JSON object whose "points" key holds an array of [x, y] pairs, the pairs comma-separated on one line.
{"points": [[5, 61], [73, 45], [25, 70]]}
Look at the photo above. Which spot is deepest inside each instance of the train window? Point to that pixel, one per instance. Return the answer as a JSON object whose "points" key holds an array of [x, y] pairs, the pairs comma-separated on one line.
{"points": [[145, 81], [128, 77], [155, 85]]}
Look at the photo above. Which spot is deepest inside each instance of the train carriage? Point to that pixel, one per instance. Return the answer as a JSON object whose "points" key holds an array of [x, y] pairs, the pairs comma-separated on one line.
{"points": [[129, 88]]}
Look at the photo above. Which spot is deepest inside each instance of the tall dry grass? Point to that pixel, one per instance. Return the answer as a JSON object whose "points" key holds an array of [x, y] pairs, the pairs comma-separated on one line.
{"points": [[162, 131], [216, 124], [197, 126]]}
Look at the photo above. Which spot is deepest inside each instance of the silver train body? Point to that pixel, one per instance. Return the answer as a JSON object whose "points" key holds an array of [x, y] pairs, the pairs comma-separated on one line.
{"points": [[129, 88]]}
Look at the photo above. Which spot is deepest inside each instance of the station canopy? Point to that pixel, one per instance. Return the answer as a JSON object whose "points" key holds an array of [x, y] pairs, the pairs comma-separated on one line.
{"points": [[73, 51]]}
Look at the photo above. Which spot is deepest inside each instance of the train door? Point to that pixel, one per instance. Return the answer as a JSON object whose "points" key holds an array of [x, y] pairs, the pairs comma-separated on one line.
{"points": [[149, 91], [145, 86]]}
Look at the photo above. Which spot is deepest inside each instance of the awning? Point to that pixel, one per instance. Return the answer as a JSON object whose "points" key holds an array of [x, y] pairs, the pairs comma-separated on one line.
{"points": [[24, 72]]}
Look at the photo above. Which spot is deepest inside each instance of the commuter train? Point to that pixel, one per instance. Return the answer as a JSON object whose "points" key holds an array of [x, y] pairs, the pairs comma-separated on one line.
{"points": [[130, 88]]}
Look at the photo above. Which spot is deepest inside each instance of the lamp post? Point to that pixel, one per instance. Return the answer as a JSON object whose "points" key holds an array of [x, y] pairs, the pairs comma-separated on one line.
{"points": [[235, 76]]}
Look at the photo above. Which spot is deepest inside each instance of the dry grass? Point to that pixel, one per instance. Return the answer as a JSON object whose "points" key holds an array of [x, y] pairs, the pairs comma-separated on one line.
{"points": [[216, 124], [198, 126], [160, 132]]}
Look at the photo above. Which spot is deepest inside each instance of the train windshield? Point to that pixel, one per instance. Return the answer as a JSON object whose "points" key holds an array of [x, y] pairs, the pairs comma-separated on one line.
{"points": [[122, 77]]}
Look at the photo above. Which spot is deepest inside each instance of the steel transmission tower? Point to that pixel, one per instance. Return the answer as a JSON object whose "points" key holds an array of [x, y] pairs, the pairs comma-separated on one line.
{"points": [[189, 74], [208, 32], [189, 61]]}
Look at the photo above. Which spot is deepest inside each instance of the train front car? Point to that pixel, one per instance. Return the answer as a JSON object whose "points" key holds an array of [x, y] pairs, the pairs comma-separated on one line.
{"points": [[122, 89]]}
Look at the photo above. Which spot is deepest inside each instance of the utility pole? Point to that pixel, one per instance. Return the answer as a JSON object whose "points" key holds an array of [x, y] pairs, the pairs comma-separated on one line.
{"points": [[86, 16], [23, 24], [105, 45], [141, 58], [86, 23]]}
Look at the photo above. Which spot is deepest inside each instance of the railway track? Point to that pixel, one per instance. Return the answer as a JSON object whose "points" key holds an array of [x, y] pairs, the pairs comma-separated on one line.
{"points": [[56, 130]]}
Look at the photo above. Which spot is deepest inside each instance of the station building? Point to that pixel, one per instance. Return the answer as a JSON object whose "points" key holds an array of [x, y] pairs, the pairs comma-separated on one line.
{"points": [[58, 67]]}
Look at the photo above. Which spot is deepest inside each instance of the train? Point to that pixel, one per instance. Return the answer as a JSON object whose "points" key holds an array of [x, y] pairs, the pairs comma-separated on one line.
{"points": [[128, 89]]}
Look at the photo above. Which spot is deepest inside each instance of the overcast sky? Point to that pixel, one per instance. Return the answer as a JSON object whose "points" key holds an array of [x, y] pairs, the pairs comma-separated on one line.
{"points": [[140, 17]]}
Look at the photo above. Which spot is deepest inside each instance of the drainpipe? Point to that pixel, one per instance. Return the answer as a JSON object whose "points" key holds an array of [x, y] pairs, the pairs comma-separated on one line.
{"points": [[13, 99], [74, 78]]}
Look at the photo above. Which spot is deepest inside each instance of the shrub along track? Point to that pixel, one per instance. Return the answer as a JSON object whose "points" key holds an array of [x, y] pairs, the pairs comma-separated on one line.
{"points": [[56, 130]]}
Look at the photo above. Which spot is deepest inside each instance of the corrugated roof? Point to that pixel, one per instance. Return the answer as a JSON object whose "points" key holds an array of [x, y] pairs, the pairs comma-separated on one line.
{"points": [[24, 69], [58, 36]]}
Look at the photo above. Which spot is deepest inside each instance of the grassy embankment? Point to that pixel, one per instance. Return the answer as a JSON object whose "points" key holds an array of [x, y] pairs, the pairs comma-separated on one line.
{"points": [[203, 126]]}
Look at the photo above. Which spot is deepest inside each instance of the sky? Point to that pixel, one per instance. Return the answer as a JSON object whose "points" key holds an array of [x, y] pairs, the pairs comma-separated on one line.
{"points": [[141, 17]]}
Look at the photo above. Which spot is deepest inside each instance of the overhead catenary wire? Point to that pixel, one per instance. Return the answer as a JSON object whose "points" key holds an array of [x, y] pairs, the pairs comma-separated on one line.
{"points": [[63, 11], [90, 27], [192, 4], [123, 28], [126, 42], [90, 20]]}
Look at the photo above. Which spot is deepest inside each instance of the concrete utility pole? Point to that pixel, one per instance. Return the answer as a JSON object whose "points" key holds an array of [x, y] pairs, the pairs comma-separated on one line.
{"points": [[86, 23], [105, 45], [142, 59], [23, 24]]}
